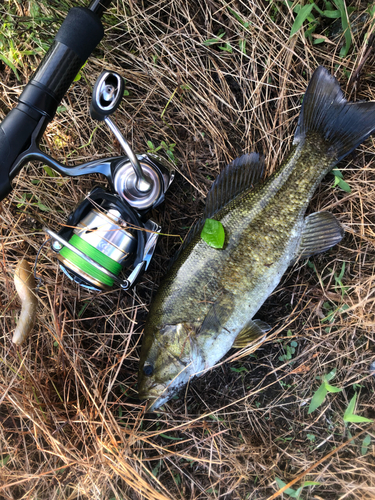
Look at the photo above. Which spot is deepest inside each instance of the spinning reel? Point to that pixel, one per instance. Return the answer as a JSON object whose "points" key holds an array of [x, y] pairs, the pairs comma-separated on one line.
{"points": [[109, 231]]}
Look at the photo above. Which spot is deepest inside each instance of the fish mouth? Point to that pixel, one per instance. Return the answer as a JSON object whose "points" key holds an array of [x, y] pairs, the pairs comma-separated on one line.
{"points": [[152, 402], [155, 398], [155, 403]]}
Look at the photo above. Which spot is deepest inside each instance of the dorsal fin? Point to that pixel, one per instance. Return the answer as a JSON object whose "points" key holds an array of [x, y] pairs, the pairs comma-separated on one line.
{"points": [[240, 175]]}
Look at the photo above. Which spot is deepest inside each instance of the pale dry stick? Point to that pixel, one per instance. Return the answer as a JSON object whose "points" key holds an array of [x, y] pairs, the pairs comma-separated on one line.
{"points": [[307, 471], [82, 381], [26, 288], [16, 374], [38, 426], [282, 33], [119, 363], [281, 100], [182, 455], [191, 183]]}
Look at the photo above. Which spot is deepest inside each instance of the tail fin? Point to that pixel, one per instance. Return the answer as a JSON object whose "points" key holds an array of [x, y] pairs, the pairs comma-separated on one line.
{"points": [[344, 125]]}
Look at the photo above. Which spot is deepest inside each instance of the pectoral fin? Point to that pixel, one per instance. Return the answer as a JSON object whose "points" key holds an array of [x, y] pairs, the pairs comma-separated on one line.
{"points": [[218, 314], [320, 233], [254, 330]]}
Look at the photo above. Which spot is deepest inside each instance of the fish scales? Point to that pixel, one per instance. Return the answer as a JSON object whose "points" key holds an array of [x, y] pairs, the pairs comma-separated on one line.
{"points": [[253, 223], [210, 296]]}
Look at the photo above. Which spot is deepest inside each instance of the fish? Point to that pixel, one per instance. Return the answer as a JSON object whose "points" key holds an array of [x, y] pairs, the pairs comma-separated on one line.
{"points": [[209, 297]]}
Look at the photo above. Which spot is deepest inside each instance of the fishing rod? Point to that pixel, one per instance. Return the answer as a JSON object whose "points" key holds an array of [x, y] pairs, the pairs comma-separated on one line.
{"points": [[109, 231]]}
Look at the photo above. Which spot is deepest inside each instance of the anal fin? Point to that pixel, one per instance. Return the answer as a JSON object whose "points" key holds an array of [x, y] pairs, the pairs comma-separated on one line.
{"points": [[254, 330], [321, 232]]}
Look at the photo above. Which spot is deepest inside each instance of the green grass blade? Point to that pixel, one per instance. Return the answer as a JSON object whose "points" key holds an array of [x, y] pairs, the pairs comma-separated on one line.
{"points": [[318, 398], [212, 41], [172, 438], [344, 186], [292, 493], [245, 24], [365, 444], [330, 376], [331, 388], [9, 63], [351, 407], [333, 14], [4, 460], [337, 173], [357, 419], [302, 15], [340, 4]]}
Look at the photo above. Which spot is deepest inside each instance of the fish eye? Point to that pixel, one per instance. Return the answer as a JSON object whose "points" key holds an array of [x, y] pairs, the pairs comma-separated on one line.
{"points": [[148, 370]]}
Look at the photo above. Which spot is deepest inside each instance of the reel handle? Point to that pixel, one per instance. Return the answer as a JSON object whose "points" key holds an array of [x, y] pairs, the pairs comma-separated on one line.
{"points": [[106, 98]]}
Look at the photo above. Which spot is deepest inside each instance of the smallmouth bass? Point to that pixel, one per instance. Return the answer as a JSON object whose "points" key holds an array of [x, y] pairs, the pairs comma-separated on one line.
{"points": [[209, 297]]}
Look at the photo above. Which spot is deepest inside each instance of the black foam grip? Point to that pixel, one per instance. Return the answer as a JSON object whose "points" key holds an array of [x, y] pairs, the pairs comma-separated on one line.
{"points": [[15, 135], [81, 31]]}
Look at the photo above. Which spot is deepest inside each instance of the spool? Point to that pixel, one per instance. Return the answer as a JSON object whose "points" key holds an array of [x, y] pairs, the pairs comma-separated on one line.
{"points": [[104, 239]]}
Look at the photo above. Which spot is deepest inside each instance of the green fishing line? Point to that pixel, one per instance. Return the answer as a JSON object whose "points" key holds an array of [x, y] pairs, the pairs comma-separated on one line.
{"points": [[96, 255]]}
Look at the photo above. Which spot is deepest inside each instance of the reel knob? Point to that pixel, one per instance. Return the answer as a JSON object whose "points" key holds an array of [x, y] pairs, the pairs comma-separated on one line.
{"points": [[107, 95], [160, 173]]}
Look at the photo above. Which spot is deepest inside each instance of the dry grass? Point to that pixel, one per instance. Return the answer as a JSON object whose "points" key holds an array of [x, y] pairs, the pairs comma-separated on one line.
{"points": [[69, 426]]}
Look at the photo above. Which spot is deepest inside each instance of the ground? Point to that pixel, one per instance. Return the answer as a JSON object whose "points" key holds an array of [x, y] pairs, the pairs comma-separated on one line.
{"points": [[206, 81]]}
